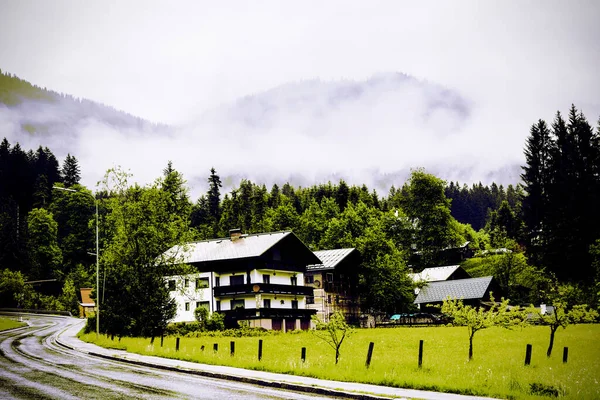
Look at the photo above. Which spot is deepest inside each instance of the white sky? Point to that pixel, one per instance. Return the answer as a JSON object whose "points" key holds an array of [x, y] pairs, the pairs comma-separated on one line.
{"points": [[512, 61]]}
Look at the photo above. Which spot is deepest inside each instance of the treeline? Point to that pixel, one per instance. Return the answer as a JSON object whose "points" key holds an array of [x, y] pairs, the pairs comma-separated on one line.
{"points": [[45, 232]]}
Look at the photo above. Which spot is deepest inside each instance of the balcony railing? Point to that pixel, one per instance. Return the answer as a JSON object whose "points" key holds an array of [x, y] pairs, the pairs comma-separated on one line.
{"points": [[241, 313], [256, 288]]}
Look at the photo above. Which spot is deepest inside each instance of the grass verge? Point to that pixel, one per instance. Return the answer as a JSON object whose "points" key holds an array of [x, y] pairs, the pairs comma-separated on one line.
{"points": [[497, 369], [8, 323]]}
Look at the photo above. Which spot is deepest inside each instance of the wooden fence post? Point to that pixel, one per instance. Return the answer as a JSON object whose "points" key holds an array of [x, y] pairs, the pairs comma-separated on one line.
{"points": [[420, 353], [528, 355], [216, 347], [303, 354], [259, 349], [565, 354], [162, 338], [177, 344], [369, 354], [232, 348]]}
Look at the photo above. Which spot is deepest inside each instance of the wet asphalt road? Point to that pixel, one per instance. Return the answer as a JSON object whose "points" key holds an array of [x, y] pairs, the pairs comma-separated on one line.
{"points": [[33, 366]]}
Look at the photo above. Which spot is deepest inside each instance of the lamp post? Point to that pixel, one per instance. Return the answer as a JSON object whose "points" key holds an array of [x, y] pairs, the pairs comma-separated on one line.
{"points": [[97, 258]]}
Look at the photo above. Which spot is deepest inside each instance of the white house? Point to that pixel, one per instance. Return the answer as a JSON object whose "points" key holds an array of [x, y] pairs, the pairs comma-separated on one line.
{"points": [[257, 279]]}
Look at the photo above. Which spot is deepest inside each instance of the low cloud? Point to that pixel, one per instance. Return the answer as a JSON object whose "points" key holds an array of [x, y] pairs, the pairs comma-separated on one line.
{"points": [[371, 131]]}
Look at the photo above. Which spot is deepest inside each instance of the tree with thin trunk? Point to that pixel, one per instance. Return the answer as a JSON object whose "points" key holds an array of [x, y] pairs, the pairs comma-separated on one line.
{"points": [[333, 332], [476, 319], [561, 314]]}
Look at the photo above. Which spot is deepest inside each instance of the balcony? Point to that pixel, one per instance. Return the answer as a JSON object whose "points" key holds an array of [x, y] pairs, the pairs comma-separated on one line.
{"points": [[254, 313], [256, 288]]}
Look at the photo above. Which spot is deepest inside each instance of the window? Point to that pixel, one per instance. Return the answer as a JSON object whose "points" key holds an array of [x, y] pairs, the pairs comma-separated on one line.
{"points": [[310, 299], [266, 278], [267, 303], [294, 281], [236, 280], [295, 304], [329, 277], [171, 285], [237, 304], [202, 283], [218, 305], [309, 279], [186, 283], [204, 304], [187, 306], [329, 299], [217, 281]]}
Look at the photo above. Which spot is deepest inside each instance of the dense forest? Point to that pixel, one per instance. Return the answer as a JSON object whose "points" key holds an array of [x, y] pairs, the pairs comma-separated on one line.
{"points": [[531, 236]]}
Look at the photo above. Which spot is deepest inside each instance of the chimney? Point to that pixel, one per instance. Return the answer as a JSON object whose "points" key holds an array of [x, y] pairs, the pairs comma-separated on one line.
{"points": [[235, 234]]}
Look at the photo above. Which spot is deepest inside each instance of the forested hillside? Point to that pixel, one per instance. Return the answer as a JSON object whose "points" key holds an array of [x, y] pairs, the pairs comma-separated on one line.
{"points": [[29, 109], [525, 234]]}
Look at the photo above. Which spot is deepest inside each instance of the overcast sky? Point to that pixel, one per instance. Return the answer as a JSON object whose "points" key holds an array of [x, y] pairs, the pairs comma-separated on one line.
{"points": [[511, 62]]}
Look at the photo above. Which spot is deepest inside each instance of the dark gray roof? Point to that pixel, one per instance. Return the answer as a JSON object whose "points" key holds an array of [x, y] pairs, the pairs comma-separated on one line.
{"points": [[434, 292], [247, 246], [329, 258]]}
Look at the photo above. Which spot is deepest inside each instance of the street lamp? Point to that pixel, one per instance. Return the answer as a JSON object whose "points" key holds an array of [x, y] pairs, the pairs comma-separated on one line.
{"points": [[97, 257]]}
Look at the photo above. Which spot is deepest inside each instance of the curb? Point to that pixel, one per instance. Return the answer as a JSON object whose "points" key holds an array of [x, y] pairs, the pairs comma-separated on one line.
{"points": [[255, 381]]}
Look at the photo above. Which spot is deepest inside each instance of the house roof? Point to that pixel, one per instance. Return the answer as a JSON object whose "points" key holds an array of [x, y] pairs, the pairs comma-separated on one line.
{"points": [[434, 274], [246, 246], [86, 297], [473, 288], [329, 258]]}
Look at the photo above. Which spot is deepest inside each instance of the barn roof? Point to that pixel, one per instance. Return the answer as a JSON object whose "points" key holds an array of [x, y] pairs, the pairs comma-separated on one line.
{"points": [[329, 258], [435, 292]]}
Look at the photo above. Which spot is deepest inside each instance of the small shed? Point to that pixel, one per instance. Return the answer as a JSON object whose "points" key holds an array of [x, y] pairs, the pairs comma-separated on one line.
{"points": [[87, 304], [472, 291]]}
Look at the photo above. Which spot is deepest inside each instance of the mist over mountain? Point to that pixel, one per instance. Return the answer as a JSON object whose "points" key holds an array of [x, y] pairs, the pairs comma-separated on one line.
{"points": [[371, 131]]}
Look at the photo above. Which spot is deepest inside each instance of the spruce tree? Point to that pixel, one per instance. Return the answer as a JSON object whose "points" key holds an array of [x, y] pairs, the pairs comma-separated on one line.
{"points": [[70, 171], [536, 178], [214, 198]]}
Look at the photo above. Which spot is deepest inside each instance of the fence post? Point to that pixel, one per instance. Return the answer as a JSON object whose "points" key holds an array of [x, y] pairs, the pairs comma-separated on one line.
{"points": [[152, 340], [259, 349], [420, 353], [528, 355], [303, 354], [177, 345], [565, 354], [162, 338], [232, 348], [369, 354], [216, 347]]}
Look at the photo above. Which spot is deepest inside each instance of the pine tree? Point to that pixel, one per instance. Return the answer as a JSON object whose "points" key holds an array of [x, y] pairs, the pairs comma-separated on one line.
{"points": [[70, 171]]}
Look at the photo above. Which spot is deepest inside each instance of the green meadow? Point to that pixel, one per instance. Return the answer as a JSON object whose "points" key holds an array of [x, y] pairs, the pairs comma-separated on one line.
{"points": [[8, 323], [497, 369]]}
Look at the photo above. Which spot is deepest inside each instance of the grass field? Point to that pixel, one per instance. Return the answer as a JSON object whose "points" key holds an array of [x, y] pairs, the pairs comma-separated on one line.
{"points": [[7, 323], [497, 369]]}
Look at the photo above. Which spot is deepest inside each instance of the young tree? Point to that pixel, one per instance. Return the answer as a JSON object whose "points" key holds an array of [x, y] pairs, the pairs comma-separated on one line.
{"points": [[476, 319], [332, 332], [561, 295]]}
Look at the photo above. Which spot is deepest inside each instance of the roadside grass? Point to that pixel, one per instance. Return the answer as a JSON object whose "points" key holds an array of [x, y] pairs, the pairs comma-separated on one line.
{"points": [[8, 323], [497, 369]]}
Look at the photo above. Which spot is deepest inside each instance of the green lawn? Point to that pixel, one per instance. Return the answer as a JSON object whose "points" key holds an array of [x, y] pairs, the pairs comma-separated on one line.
{"points": [[497, 369], [7, 323]]}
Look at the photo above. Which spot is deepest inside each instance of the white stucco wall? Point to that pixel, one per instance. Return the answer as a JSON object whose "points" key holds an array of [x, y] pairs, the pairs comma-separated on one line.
{"points": [[190, 295]]}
